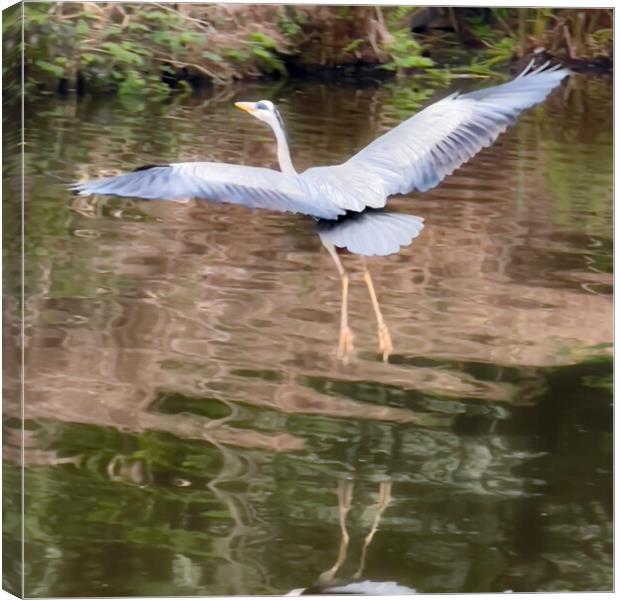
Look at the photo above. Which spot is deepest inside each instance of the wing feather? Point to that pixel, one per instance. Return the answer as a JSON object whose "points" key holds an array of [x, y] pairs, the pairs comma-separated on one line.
{"points": [[420, 152], [254, 187]]}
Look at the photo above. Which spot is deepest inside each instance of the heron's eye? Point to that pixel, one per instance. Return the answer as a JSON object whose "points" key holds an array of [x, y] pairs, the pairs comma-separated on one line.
{"points": [[262, 105]]}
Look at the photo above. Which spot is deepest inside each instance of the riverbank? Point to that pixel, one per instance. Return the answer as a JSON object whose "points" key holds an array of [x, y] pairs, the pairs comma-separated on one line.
{"points": [[151, 49]]}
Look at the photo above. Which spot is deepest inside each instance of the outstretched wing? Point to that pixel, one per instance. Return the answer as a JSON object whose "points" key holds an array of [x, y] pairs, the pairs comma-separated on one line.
{"points": [[254, 187], [420, 152]]}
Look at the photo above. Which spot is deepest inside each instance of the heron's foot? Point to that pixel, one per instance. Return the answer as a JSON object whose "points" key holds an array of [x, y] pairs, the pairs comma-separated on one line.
{"points": [[385, 341], [345, 346]]}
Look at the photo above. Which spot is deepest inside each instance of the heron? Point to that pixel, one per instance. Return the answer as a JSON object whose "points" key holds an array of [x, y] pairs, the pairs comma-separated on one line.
{"points": [[414, 156]]}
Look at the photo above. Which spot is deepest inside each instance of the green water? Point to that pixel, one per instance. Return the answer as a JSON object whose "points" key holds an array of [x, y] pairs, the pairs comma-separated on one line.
{"points": [[188, 423]]}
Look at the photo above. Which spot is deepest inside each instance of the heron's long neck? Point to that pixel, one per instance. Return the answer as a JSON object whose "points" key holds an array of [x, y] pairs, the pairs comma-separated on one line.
{"points": [[284, 155]]}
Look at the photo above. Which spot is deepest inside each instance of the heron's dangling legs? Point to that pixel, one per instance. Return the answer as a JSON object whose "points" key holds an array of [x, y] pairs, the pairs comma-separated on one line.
{"points": [[383, 333], [345, 496], [345, 346], [385, 495]]}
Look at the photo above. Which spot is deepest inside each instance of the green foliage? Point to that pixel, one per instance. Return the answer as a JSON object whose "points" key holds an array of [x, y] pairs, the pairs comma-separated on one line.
{"points": [[132, 83], [122, 54], [159, 16], [601, 41], [482, 65], [263, 49], [397, 17], [406, 53], [212, 56], [489, 37], [290, 28], [53, 68], [501, 52], [129, 55], [572, 33], [129, 47], [263, 40], [236, 55], [121, 59], [352, 46]]}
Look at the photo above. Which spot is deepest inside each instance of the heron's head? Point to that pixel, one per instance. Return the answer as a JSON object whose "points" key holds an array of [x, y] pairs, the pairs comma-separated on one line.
{"points": [[263, 110]]}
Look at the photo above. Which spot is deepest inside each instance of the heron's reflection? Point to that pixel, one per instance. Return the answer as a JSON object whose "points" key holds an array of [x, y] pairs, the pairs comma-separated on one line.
{"points": [[369, 233], [327, 582]]}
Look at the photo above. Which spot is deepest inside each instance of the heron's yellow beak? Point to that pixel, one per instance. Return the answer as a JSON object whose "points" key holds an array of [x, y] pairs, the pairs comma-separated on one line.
{"points": [[246, 106]]}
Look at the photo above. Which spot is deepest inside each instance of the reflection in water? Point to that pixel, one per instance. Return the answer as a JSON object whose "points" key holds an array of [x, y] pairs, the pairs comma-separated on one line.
{"points": [[326, 583], [183, 391], [345, 493]]}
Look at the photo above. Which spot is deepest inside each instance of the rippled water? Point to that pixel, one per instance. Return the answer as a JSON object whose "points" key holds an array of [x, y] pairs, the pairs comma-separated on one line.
{"points": [[189, 429]]}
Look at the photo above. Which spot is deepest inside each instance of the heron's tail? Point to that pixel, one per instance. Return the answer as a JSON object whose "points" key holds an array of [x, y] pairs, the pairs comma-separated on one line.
{"points": [[371, 232]]}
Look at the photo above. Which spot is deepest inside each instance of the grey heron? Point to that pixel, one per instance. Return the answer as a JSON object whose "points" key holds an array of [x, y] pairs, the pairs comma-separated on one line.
{"points": [[414, 156]]}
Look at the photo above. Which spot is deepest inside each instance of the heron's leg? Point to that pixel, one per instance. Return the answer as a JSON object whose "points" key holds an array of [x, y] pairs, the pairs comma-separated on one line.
{"points": [[383, 333], [345, 345], [345, 495], [385, 495]]}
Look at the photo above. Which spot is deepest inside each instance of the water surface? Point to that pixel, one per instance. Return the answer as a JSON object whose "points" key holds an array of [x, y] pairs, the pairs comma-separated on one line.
{"points": [[188, 424]]}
